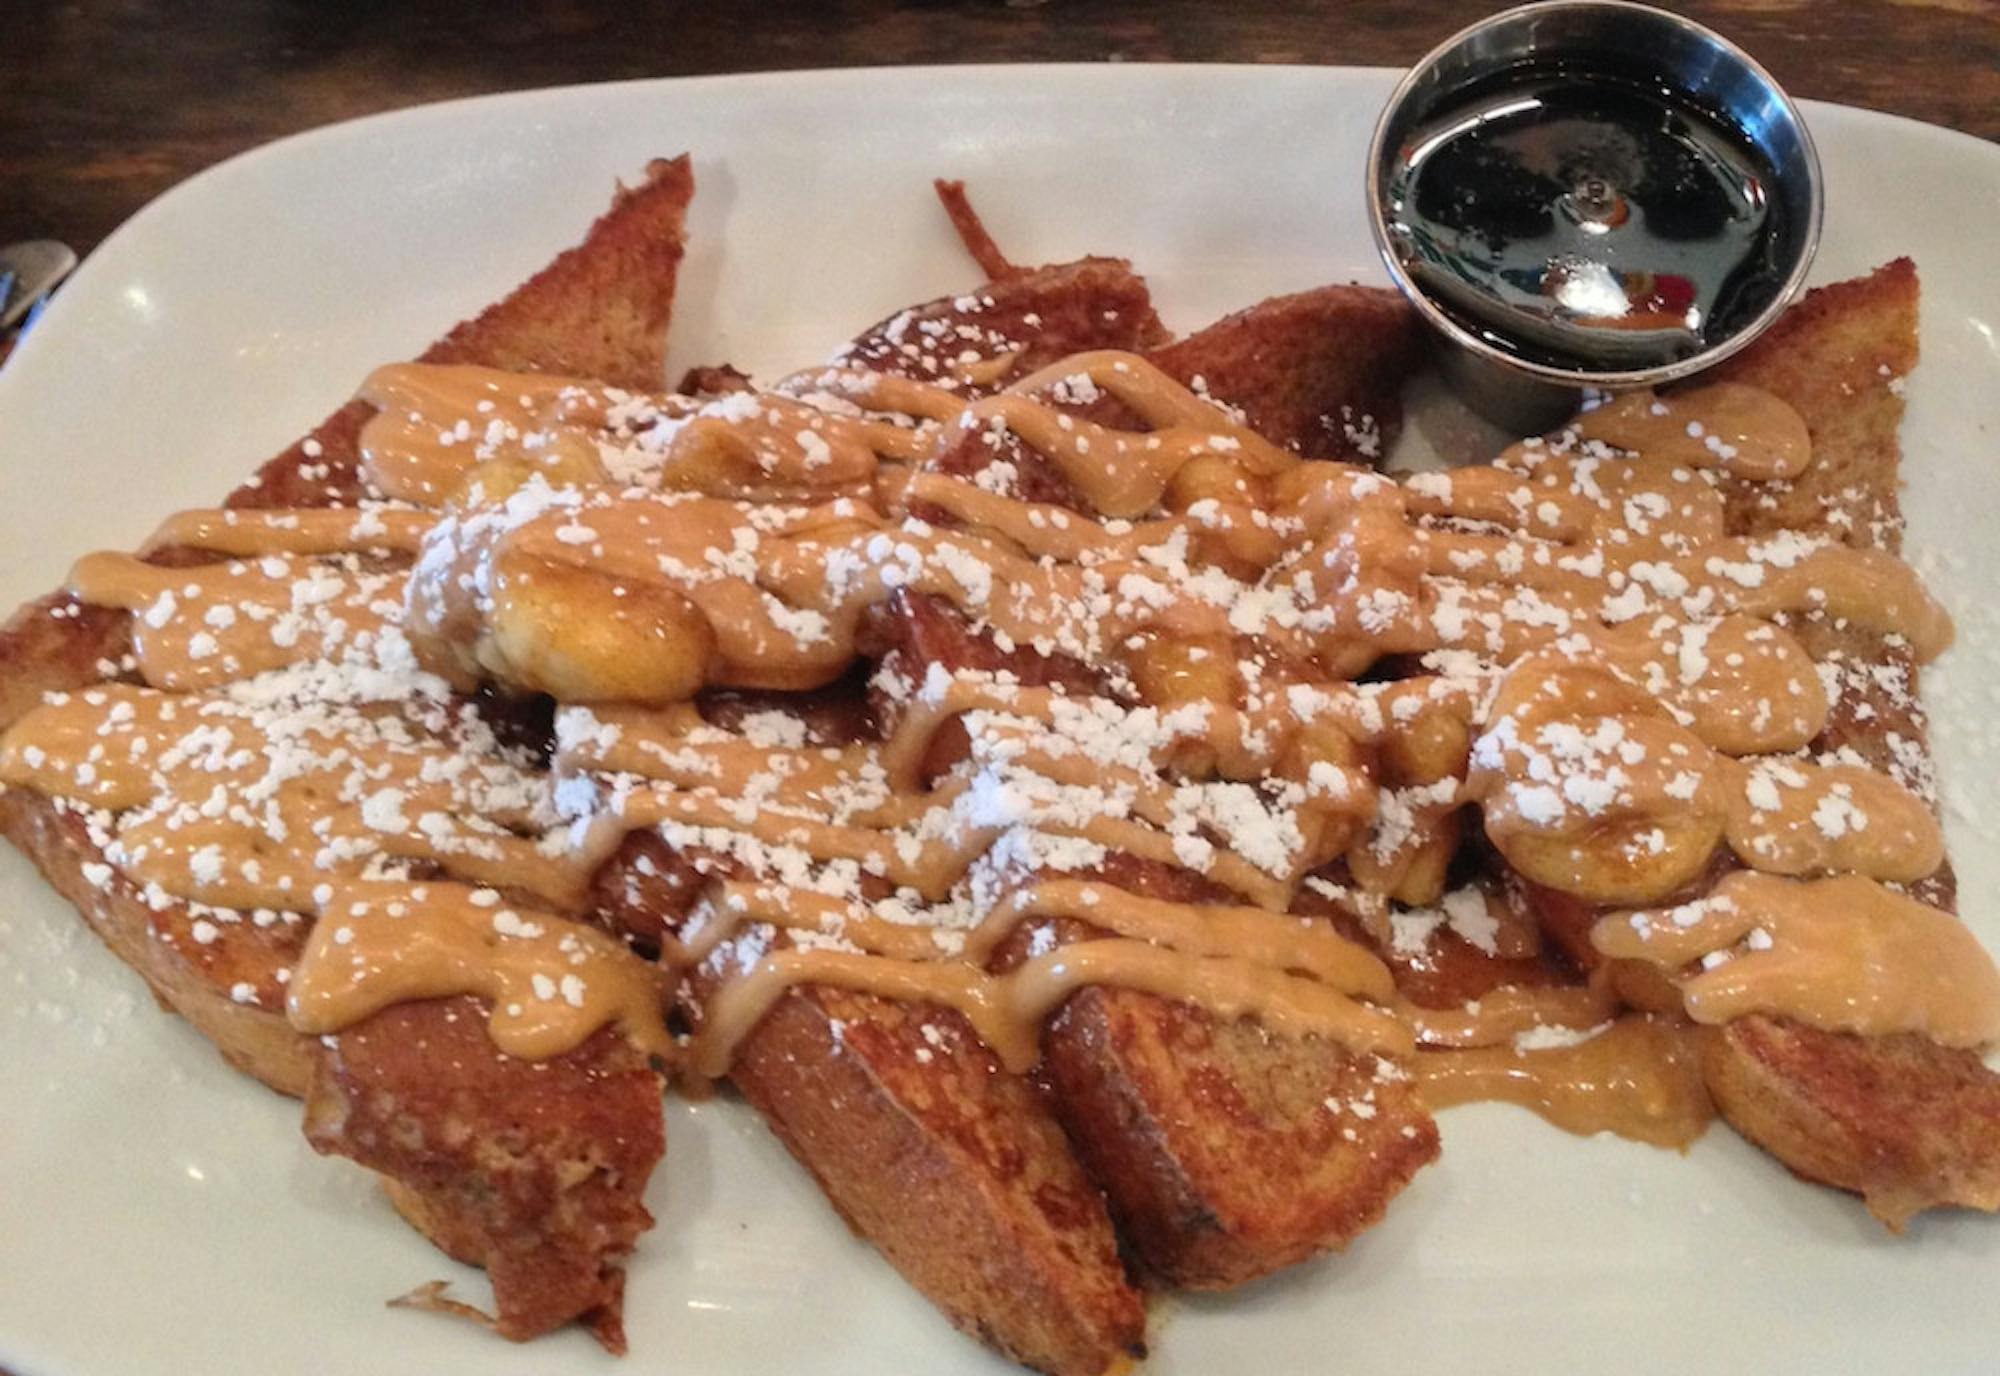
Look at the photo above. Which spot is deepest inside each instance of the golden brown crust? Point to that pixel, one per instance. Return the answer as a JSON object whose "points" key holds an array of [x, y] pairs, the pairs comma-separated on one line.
{"points": [[56, 643], [1320, 371], [952, 1169], [599, 309], [1905, 1123], [254, 1039], [1901, 1121], [533, 1170], [1037, 315], [1833, 356], [1227, 1153], [59, 643]]}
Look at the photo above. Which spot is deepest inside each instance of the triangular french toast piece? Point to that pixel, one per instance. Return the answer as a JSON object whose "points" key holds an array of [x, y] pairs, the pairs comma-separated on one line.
{"points": [[1320, 371], [599, 310], [1907, 1124], [532, 1170], [554, 1233], [948, 1164], [982, 339], [1226, 1152], [61, 643]]}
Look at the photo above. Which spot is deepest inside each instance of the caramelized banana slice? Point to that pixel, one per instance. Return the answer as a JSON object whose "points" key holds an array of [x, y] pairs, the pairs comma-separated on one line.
{"points": [[581, 636], [1589, 789]]}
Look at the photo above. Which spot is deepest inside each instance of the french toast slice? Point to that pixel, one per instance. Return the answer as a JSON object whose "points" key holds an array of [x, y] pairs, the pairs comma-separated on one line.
{"points": [[950, 1166], [1902, 1121], [947, 1163], [1319, 371], [1226, 1152], [552, 1236], [532, 1170], [59, 643]]}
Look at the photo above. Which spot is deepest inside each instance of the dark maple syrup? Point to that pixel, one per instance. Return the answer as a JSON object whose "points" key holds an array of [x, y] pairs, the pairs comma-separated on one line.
{"points": [[1586, 222]]}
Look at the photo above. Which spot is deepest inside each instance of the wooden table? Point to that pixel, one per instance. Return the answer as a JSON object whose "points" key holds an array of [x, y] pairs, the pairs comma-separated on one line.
{"points": [[106, 103]]}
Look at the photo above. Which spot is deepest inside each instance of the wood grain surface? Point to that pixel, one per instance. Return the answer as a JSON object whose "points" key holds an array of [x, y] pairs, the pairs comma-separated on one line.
{"points": [[106, 103]]}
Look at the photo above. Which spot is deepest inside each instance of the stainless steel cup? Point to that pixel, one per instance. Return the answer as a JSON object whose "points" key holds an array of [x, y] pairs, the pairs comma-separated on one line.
{"points": [[1635, 44]]}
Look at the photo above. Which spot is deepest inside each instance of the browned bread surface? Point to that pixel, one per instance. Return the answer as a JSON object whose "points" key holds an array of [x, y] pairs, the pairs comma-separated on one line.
{"points": [[53, 643], [190, 978], [949, 1165], [599, 309], [1226, 1152], [1320, 371], [1837, 356], [59, 643], [1038, 316], [952, 1169], [533, 1170], [1221, 1151], [1906, 1123]]}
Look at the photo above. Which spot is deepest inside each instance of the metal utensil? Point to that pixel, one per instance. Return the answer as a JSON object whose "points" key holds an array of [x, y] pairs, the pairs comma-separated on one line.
{"points": [[35, 267]]}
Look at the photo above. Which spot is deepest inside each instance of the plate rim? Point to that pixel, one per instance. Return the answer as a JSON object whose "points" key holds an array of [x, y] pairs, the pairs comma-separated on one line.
{"points": [[200, 183]]}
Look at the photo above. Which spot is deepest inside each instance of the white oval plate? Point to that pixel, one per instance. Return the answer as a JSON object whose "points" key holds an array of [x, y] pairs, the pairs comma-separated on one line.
{"points": [[160, 1214]]}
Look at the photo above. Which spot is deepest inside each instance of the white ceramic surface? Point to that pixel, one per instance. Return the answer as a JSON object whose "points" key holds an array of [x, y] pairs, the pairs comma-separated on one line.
{"points": [[159, 1214]]}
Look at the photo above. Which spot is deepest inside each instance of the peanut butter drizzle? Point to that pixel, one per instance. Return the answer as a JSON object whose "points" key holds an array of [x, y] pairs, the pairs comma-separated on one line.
{"points": [[1007, 1011], [1639, 1077], [1283, 943], [1843, 954], [1739, 429], [1623, 567], [269, 824], [785, 618], [550, 982], [328, 530], [434, 419], [1501, 1014], [1122, 473], [201, 628]]}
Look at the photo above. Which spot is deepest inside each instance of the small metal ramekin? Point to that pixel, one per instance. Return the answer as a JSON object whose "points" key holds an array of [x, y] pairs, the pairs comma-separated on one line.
{"points": [[1595, 38]]}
